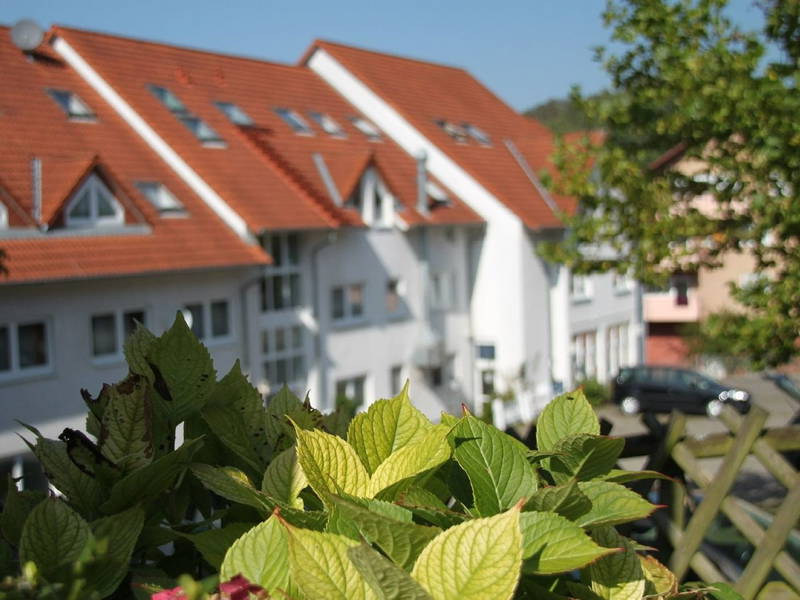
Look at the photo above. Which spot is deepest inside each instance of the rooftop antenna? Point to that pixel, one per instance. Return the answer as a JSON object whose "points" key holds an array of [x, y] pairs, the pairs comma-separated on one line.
{"points": [[27, 35]]}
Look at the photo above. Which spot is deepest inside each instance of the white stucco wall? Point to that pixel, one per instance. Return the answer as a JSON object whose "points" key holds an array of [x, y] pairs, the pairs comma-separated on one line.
{"points": [[52, 401]]}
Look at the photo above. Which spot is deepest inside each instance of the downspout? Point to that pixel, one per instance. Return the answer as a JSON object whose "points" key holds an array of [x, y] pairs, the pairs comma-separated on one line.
{"points": [[246, 354], [322, 368], [36, 187], [422, 181]]}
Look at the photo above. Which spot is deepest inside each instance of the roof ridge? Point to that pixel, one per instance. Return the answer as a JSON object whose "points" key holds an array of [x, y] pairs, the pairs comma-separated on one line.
{"points": [[290, 174], [321, 42]]}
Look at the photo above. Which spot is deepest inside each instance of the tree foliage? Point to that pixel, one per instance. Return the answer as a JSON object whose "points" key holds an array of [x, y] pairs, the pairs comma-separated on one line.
{"points": [[723, 101]]}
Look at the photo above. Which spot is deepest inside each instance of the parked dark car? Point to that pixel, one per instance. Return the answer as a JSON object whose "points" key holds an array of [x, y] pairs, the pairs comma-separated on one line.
{"points": [[662, 389]]}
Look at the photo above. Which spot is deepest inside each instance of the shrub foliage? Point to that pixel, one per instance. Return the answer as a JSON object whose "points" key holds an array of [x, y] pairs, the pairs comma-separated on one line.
{"points": [[281, 501]]}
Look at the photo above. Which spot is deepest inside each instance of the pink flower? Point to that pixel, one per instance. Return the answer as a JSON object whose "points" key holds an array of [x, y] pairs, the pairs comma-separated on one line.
{"points": [[173, 594], [238, 588]]}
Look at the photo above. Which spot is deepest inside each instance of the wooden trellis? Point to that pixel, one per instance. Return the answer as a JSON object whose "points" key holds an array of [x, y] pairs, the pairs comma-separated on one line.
{"points": [[686, 536]]}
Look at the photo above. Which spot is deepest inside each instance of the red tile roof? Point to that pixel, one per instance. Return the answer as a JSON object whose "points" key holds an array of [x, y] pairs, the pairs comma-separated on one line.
{"points": [[424, 92], [267, 172], [33, 125]]}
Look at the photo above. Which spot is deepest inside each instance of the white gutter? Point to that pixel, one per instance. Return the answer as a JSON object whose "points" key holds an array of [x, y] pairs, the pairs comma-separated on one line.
{"points": [[152, 139]]}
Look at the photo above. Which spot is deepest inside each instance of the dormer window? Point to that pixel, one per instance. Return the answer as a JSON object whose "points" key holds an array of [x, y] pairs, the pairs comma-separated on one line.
{"points": [[70, 103], [367, 128], [437, 195], [456, 132], [478, 134], [327, 124], [295, 121], [161, 198], [373, 200], [93, 205], [235, 114], [201, 130]]}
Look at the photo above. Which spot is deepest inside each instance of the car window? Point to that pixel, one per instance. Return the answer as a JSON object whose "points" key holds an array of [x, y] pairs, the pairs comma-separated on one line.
{"points": [[659, 376]]}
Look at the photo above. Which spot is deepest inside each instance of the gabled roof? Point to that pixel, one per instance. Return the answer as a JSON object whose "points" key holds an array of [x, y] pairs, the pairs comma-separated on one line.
{"points": [[424, 92], [267, 172], [33, 125]]}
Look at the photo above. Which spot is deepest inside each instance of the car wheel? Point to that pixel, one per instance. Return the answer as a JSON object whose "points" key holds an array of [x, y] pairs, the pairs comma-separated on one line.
{"points": [[629, 405], [714, 408]]}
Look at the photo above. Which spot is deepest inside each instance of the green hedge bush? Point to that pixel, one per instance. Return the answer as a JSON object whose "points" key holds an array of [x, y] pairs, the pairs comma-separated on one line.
{"points": [[281, 501]]}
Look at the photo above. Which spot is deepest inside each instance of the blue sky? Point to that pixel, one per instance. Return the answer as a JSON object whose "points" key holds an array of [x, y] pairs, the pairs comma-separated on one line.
{"points": [[526, 51]]}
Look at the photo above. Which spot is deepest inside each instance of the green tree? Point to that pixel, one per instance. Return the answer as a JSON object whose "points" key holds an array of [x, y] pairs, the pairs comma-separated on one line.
{"points": [[688, 82]]}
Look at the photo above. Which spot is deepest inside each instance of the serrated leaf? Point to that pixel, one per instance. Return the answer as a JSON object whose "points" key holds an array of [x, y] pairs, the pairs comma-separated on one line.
{"points": [[387, 426], [235, 413], [321, 568], [403, 466], [284, 479], [330, 464], [232, 484], [87, 457], [261, 555], [659, 579], [612, 504], [53, 535], [617, 576], [567, 414], [621, 476], [553, 544], [400, 541], [475, 560], [147, 483], [284, 413], [448, 419], [387, 580], [214, 543], [82, 491], [426, 505], [136, 349], [16, 509], [125, 427], [584, 457], [567, 500], [184, 365], [496, 464], [117, 534]]}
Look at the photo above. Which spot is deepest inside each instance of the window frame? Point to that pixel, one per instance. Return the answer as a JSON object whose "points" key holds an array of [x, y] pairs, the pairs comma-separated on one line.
{"points": [[153, 189], [294, 120], [235, 113], [327, 124], [191, 121], [119, 316], [583, 355], [15, 371], [583, 292], [366, 128], [283, 269], [294, 348], [85, 115], [208, 337], [348, 316], [94, 186]]}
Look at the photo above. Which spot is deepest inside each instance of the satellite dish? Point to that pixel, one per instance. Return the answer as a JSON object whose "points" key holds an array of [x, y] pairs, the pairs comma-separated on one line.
{"points": [[27, 35]]}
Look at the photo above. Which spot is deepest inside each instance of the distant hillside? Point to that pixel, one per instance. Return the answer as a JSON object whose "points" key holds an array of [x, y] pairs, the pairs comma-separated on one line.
{"points": [[561, 115]]}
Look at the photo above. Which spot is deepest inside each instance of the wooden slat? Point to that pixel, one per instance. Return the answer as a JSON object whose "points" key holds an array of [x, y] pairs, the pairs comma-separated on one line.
{"points": [[716, 492], [760, 563], [740, 518], [781, 439], [699, 562]]}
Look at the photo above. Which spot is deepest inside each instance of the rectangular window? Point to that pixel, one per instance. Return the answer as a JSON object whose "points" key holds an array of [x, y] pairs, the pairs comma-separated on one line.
{"points": [[235, 114], [209, 321], [70, 103], [160, 197], [368, 129], [201, 130], [130, 319], [104, 335], [5, 348], [283, 358], [196, 320], [622, 283], [295, 121], [24, 347], [347, 302], [584, 355], [281, 287], [580, 287], [220, 319], [351, 389], [327, 124], [392, 296], [396, 379], [487, 382], [486, 351], [442, 290], [617, 348], [32, 341]]}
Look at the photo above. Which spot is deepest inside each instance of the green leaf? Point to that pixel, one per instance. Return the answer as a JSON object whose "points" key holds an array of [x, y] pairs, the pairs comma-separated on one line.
{"points": [[186, 369], [284, 479], [387, 580], [16, 509], [565, 415], [617, 576], [147, 483], [400, 541], [54, 535], [125, 427], [330, 464], [321, 568], [584, 457], [553, 544], [214, 543], [621, 476], [660, 580], [403, 466], [137, 348], [567, 500], [261, 555], [117, 535], [284, 413], [232, 484], [82, 491], [496, 464], [427, 506], [475, 560], [612, 504], [235, 413], [387, 426]]}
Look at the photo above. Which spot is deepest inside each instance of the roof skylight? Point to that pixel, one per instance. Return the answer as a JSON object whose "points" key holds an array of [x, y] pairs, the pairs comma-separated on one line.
{"points": [[367, 128], [160, 197], [71, 104], [236, 115], [295, 121], [437, 194], [456, 132], [201, 130], [478, 134], [327, 124]]}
